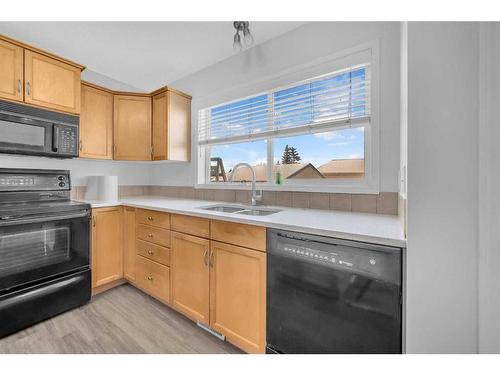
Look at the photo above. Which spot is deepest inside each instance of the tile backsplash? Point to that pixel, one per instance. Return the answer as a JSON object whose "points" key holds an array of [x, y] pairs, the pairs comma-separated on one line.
{"points": [[383, 203]]}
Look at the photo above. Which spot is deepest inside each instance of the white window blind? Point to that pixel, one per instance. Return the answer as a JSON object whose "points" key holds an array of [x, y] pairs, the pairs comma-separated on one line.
{"points": [[332, 100]]}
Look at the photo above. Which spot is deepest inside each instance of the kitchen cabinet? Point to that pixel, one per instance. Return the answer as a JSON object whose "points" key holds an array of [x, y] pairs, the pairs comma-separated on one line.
{"points": [[250, 236], [171, 125], [153, 278], [129, 243], [11, 71], [96, 123], [190, 276], [196, 226], [51, 83], [132, 127], [107, 245], [238, 295]]}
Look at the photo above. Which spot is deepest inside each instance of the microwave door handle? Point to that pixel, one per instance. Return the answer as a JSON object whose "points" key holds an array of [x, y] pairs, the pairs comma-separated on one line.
{"points": [[55, 138]]}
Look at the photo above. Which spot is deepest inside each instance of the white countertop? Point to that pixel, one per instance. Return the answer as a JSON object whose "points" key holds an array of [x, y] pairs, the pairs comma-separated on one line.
{"points": [[373, 228]]}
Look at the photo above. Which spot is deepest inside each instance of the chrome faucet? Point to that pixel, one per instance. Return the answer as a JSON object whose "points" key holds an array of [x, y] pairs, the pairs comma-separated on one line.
{"points": [[255, 196]]}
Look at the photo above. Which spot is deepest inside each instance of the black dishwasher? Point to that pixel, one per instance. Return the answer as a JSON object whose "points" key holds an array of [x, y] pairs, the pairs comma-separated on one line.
{"points": [[327, 295]]}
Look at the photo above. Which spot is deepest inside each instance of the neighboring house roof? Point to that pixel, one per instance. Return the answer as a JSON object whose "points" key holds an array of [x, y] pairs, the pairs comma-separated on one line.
{"points": [[343, 166], [333, 168], [297, 170], [307, 171]]}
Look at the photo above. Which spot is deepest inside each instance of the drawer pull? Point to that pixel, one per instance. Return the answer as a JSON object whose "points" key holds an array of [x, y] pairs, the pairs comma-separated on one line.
{"points": [[150, 278], [150, 218], [150, 252], [150, 235]]}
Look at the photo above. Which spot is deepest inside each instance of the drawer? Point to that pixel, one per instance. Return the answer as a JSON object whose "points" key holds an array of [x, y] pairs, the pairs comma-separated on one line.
{"points": [[155, 235], [157, 253], [153, 278], [154, 218], [196, 226], [245, 235]]}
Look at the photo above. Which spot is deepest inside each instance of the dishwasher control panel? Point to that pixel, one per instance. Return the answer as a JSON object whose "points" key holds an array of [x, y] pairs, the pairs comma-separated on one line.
{"points": [[349, 256]]}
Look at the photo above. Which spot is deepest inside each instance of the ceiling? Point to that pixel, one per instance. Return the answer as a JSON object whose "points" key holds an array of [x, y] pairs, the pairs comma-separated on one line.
{"points": [[144, 55]]}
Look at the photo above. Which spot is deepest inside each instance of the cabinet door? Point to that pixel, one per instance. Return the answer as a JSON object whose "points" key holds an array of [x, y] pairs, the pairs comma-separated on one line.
{"points": [[51, 83], [179, 127], [11, 71], [107, 241], [129, 246], [190, 276], [160, 128], [132, 128], [96, 124], [238, 295]]}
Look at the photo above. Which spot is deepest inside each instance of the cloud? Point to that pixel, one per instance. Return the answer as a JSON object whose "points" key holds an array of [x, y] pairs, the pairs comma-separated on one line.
{"points": [[355, 156], [329, 136], [335, 144]]}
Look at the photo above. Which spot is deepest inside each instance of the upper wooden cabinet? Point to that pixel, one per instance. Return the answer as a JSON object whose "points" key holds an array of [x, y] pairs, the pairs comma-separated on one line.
{"points": [[38, 78], [107, 242], [11, 71], [51, 83], [171, 126], [132, 127], [96, 123]]}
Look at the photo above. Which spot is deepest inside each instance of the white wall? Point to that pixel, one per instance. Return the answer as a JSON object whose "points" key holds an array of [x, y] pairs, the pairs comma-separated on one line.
{"points": [[231, 78], [403, 157], [489, 186], [442, 274], [128, 173]]}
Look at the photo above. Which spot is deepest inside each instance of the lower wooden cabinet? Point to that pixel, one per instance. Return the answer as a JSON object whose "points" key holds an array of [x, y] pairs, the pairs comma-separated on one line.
{"points": [[153, 278], [190, 276], [238, 295], [107, 245], [129, 243]]}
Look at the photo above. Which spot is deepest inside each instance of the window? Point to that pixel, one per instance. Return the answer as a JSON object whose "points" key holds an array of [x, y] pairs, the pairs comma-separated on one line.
{"points": [[315, 132]]}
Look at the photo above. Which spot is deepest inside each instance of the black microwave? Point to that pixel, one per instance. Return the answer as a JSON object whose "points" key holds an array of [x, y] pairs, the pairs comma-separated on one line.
{"points": [[33, 131]]}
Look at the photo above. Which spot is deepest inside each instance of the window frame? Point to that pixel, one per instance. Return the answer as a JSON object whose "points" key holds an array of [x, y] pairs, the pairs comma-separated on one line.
{"points": [[324, 66]]}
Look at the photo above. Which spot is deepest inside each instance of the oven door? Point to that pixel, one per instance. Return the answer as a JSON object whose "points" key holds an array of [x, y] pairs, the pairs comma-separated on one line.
{"points": [[42, 247]]}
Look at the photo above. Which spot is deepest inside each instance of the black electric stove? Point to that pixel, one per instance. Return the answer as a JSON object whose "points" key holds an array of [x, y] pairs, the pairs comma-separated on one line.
{"points": [[44, 247]]}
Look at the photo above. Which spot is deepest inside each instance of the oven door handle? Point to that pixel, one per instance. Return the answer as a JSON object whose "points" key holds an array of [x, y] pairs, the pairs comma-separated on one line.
{"points": [[41, 219]]}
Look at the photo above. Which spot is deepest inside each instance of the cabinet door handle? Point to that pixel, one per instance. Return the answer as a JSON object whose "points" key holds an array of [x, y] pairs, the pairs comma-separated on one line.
{"points": [[212, 259], [80, 145], [94, 219], [28, 86], [150, 278], [19, 86], [205, 257]]}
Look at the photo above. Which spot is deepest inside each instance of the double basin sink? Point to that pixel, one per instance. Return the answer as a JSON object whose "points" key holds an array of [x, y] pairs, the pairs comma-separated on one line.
{"points": [[240, 210]]}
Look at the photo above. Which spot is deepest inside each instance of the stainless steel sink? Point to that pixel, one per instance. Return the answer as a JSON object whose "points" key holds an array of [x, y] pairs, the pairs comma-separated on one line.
{"points": [[241, 210], [257, 212], [229, 209]]}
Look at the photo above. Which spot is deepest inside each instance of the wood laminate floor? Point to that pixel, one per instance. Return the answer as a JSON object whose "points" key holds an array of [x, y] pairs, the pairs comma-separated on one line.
{"points": [[121, 320]]}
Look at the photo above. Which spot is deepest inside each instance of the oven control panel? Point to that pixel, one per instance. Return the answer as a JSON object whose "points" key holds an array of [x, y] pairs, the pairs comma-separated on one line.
{"points": [[18, 180]]}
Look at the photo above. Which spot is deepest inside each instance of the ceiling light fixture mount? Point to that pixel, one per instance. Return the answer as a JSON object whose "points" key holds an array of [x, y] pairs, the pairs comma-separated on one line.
{"points": [[248, 40]]}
